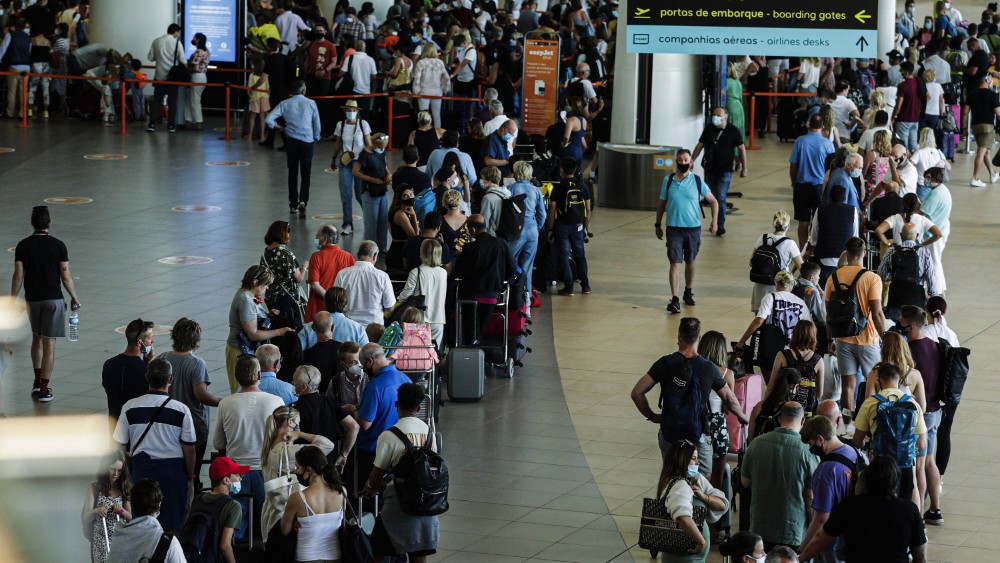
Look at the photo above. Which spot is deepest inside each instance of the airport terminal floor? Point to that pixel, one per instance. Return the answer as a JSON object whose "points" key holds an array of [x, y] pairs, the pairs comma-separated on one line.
{"points": [[551, 465]]}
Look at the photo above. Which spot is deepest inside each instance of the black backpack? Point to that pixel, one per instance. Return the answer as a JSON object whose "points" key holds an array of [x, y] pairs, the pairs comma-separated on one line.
{"points": [[765, 262], [857, 468], [346, 83], [684, 410], [808, 393], [767, 422], [843, 312], [905, 265], [573, 208], [421, 479], [953, 373], [199, 537], [511, 221]]}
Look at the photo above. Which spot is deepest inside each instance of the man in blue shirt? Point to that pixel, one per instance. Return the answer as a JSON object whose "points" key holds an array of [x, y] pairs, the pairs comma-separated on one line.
{"points": [[845, 176], [495, 151], [807, 167], [269, 357], [680, 198], [378, 405], [303, 129], [449, 143]]}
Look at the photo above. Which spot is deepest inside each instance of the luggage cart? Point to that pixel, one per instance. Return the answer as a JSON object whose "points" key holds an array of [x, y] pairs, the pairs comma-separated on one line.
{"points": [[506, 365]]}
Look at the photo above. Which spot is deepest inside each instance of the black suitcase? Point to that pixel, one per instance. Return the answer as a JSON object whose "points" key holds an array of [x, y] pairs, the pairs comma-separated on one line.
{"points": [[517, 348], [786, 119]]}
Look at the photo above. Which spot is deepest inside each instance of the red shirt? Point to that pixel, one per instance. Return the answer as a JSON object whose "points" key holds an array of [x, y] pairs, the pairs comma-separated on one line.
{"points": [[909, 109], [324, 265], [321, 54]]}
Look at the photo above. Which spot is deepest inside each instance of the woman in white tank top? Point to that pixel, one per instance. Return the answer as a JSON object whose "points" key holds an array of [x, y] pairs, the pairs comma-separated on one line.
{"points": [[319, 508]]}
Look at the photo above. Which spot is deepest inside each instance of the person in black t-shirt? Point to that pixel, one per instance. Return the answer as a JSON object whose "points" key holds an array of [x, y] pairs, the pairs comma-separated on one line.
{"points": [[318, 415], [432, 230], [408, 174], [41, 263], [720, 141], [124, 376], [877, 525], [323, 355], [983, 104]]}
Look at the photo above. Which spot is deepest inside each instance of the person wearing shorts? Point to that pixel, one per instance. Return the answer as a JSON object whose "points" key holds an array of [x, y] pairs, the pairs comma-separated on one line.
{"points": [[680, 199], [807, 168], [983, 104], [41, 264], [776, 67]]}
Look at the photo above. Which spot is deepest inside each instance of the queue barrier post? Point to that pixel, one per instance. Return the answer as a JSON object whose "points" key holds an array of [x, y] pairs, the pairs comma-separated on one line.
{"points": [[124, 116], [753, 114], [390, 122], [24, 101], [228, 90]]}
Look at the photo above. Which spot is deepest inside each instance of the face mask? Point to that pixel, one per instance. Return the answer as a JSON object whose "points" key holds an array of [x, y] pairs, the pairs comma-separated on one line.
{"points": [[760, 559], [318, 245], [816, 451], [415, 40], [692, 471], [947, 5], [406, 201], [477, 10], [455, 182], [682, 168], [507, 136], [234, 489], [356, 371], [614, 13], [909, 10], [350, 20], [927, 26], [395, 33], [455, 4], [717, 120], [379, 151], [427, 20], [351, 115], [302, 479], [27, 31], [856, 173], [143, 349]]}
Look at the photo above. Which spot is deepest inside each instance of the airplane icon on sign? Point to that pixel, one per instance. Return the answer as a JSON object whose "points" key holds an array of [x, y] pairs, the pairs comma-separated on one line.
{"points": [[642, 13]]}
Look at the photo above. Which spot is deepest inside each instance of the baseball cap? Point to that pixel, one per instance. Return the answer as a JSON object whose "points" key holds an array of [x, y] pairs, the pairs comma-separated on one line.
{"points": [[225, 466]]}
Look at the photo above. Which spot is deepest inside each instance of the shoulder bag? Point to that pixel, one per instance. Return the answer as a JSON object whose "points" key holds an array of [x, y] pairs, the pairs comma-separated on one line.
{"points": [[178, 72], [355, 546], [149, 426], [299, 300], [660, 533], [417, 301]]}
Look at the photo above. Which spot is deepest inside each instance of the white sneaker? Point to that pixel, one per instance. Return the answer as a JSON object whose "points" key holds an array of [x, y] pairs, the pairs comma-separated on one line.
{"points": [[977, 183], [995, 177], [346, 230]]}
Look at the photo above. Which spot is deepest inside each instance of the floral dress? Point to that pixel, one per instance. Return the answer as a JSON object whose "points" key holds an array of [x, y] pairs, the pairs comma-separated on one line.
{"points": [[98, 547], [282, 263]]}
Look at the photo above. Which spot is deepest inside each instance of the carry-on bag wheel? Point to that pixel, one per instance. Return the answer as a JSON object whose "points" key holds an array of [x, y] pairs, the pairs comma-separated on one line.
{"points": [[509, 368]]}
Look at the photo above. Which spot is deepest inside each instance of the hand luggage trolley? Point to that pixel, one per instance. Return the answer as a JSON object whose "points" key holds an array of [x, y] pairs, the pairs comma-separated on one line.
{"points": [[506, 362]]}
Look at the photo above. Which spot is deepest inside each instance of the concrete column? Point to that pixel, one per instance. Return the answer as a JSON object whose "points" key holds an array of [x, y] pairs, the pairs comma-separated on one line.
{"points": [[128, 26], [886, 27], [676, 115]]}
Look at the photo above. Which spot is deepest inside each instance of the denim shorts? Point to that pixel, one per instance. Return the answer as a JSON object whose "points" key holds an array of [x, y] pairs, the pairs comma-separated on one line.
{"points": [[683, 244], [933, 421]]}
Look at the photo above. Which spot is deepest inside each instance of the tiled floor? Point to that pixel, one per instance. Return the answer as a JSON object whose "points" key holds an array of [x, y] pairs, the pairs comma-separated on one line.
{"points": [[551, 465]]}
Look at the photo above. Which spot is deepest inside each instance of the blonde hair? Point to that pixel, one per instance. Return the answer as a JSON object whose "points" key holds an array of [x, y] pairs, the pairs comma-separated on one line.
{"points": [[275, 421], [877, 99], [926, 140], [929, 75], [881, 143], [430, 51], [423, 118], [826, 112], [783, 280], [412, 315], [781, 220], [895, 351], [430, 253], [451, 199], [523, 171], [490, 174], [380, 139]]}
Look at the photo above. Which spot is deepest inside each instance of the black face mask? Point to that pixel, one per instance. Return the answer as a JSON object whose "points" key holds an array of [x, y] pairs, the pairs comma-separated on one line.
{"points": [[303, 480], [406, 202], [682, 168], [816, 451]]}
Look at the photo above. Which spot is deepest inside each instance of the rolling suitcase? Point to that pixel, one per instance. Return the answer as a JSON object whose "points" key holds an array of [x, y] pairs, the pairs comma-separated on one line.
{"points": [[517, 322], [749, 390], [466, 374]]}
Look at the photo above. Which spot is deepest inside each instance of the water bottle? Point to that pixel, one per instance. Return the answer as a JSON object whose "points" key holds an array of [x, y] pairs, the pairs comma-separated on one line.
{"points": [[74, 326]]}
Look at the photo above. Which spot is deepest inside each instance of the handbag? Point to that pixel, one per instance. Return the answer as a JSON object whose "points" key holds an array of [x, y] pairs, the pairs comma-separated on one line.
{"points": [[764, 345], [178, 73], [345, 86], [284, 480], [248, 346], [416, 301], [659, 532], [355, 546], [299, 300]]}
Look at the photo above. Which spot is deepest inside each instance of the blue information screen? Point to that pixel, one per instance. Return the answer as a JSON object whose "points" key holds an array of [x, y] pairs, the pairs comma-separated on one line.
{"points": [[217, 20]]}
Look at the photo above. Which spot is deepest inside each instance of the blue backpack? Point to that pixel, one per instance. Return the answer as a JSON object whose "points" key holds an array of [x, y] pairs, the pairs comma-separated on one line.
{"points": [[683, 409], [423, 203], [895, 422]]}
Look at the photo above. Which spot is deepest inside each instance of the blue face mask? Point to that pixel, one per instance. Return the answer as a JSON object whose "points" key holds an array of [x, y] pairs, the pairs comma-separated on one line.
{"points": [[427, 20], [234, 488], [856, 173], [507, 136], [318, 245], [717, 120], [350, 20], [928, 26], [379, 151], [415, 39], [692, 471], [614, 13]]}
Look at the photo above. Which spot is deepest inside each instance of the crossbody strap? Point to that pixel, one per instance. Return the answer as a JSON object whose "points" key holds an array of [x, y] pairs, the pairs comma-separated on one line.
{"points": [[150, 425]]}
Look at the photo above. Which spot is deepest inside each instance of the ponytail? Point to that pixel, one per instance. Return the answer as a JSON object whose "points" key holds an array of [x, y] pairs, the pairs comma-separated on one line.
{"points": [[275, 421], [332, 477]]}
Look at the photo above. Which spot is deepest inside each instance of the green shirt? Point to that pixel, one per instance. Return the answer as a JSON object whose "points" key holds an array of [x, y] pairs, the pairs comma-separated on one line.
{"points": [[232, 514], [780, 470]]}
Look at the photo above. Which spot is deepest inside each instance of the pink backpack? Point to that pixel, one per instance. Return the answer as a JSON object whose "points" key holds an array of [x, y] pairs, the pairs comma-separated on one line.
{"points": [[415, 359]]}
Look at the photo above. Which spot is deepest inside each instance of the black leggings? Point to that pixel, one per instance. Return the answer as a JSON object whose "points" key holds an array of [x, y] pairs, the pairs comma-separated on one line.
{"points": [[944, 437]]}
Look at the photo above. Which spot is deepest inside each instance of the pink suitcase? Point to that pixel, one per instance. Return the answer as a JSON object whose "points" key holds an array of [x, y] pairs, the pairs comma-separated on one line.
{"points": [[748, 390]]}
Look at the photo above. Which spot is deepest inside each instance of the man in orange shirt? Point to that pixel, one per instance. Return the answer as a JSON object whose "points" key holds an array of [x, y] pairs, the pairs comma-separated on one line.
{"points": [[324, 265], [855, 353]]}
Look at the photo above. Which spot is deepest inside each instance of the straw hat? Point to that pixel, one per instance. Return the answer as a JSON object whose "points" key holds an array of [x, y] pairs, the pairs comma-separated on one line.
{"points": [[351, 104]]}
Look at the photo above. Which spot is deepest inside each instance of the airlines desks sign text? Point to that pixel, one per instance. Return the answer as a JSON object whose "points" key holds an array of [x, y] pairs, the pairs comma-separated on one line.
{"points": [[770, 28]]}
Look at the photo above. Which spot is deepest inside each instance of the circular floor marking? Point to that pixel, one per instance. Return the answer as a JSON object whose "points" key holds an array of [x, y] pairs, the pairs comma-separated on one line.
{"points": [[108, 156], [68, 200], [331, 171], [157, 329], [6, 150], [181, 260], [228, 163], [12, 249], [334, 217], [197, 208]]}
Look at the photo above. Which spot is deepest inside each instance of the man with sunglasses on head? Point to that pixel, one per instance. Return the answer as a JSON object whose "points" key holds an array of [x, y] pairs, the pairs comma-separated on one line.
{"points": [[685, 380], [124, 376]]}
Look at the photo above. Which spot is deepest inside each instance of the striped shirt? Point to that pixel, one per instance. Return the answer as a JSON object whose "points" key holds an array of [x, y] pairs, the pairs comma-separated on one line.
{"points": [[172, 428]]}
